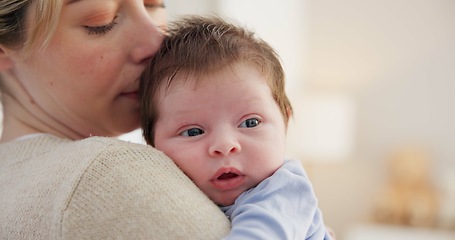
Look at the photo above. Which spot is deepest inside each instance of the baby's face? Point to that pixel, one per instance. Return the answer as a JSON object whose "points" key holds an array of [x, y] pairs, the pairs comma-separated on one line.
{"points": [[226, 133]]}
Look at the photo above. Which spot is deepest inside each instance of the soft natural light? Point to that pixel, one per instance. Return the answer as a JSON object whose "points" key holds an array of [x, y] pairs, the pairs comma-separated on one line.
{"points": [[134, 136], [323, 128]]}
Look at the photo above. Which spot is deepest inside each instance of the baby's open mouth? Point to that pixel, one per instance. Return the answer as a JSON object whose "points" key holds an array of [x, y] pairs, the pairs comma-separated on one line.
{"points": [[226, 176]]}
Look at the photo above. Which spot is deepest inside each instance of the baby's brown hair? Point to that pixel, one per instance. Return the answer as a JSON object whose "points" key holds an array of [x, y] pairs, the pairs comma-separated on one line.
{"points": [[198, 46]]}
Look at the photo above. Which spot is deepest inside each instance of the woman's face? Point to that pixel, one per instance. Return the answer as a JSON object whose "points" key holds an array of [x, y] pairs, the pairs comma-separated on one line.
{"points": [[86, 80]]}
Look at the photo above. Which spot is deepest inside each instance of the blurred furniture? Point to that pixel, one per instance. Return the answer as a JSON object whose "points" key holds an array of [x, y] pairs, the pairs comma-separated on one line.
{"points": [[392, 232]]}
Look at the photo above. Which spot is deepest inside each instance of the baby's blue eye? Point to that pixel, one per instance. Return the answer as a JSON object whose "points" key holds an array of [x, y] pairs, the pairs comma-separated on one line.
{"points": [[250, 123], [192, 132]]}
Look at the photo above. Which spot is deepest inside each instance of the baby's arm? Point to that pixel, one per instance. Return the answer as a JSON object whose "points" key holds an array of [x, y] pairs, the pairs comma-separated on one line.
{"points": [[282, 206]]}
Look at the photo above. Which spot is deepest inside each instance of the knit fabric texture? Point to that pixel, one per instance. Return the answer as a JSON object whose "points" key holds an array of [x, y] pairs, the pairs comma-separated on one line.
{"points": [[99, 188]]}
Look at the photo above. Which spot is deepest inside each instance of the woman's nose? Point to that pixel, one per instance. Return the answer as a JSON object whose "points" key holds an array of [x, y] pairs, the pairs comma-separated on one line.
{"points": [[149, 37]]}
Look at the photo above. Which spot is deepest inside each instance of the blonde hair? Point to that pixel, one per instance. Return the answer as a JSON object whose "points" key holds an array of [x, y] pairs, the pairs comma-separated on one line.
{"points": [[28, 25], [199, 46]]}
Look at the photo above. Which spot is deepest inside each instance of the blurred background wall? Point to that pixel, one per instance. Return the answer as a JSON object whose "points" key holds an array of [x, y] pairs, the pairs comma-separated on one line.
{"points": [[368, 79]]}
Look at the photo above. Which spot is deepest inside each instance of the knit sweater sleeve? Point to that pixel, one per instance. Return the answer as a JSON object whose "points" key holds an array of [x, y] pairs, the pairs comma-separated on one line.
{"points": [[135, 192]]}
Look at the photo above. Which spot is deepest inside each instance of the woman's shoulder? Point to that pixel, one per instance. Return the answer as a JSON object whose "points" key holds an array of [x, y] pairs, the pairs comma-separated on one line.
{"points": [[110, 154], [104, 188], [135, 191], [113, 146], [114, 154], [112, 142], [42, 144]]}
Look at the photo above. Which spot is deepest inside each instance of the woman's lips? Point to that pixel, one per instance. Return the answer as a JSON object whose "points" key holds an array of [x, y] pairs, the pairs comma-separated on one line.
{"points": [[227, 178], [133, 95]]}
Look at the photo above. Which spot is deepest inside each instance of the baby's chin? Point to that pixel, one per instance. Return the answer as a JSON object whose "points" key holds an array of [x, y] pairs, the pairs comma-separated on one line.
{"points": [[225, 201]]}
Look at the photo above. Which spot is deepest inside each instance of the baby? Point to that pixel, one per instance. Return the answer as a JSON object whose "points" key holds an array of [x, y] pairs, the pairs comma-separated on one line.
{"points": [[213, 100]]}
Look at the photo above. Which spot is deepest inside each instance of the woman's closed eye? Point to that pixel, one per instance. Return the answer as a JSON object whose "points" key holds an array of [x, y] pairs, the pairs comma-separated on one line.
{"points": [[250, 123], [101, 29], [154, 4], [192, 132]]}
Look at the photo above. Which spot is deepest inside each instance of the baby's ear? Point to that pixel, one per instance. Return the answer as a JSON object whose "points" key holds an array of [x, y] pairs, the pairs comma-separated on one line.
{"points": [[5, 60], [289, 112]]}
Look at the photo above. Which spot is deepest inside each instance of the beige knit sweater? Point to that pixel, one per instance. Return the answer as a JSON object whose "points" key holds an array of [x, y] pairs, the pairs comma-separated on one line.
{"points": [[99, 188]]}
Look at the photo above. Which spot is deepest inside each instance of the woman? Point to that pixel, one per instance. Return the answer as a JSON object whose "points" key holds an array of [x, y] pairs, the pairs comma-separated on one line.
{"points": [[69, 71]]}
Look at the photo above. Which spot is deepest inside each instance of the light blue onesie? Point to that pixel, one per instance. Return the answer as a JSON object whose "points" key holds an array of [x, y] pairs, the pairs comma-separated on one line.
{"points": [[283, 206]]}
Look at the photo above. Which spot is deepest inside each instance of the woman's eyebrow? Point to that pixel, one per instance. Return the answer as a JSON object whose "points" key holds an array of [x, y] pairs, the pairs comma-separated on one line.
{"points": [[72, 1]]}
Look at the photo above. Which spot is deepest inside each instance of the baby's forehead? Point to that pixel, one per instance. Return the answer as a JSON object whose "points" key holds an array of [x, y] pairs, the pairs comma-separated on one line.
{"points": [[220, 74]]}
